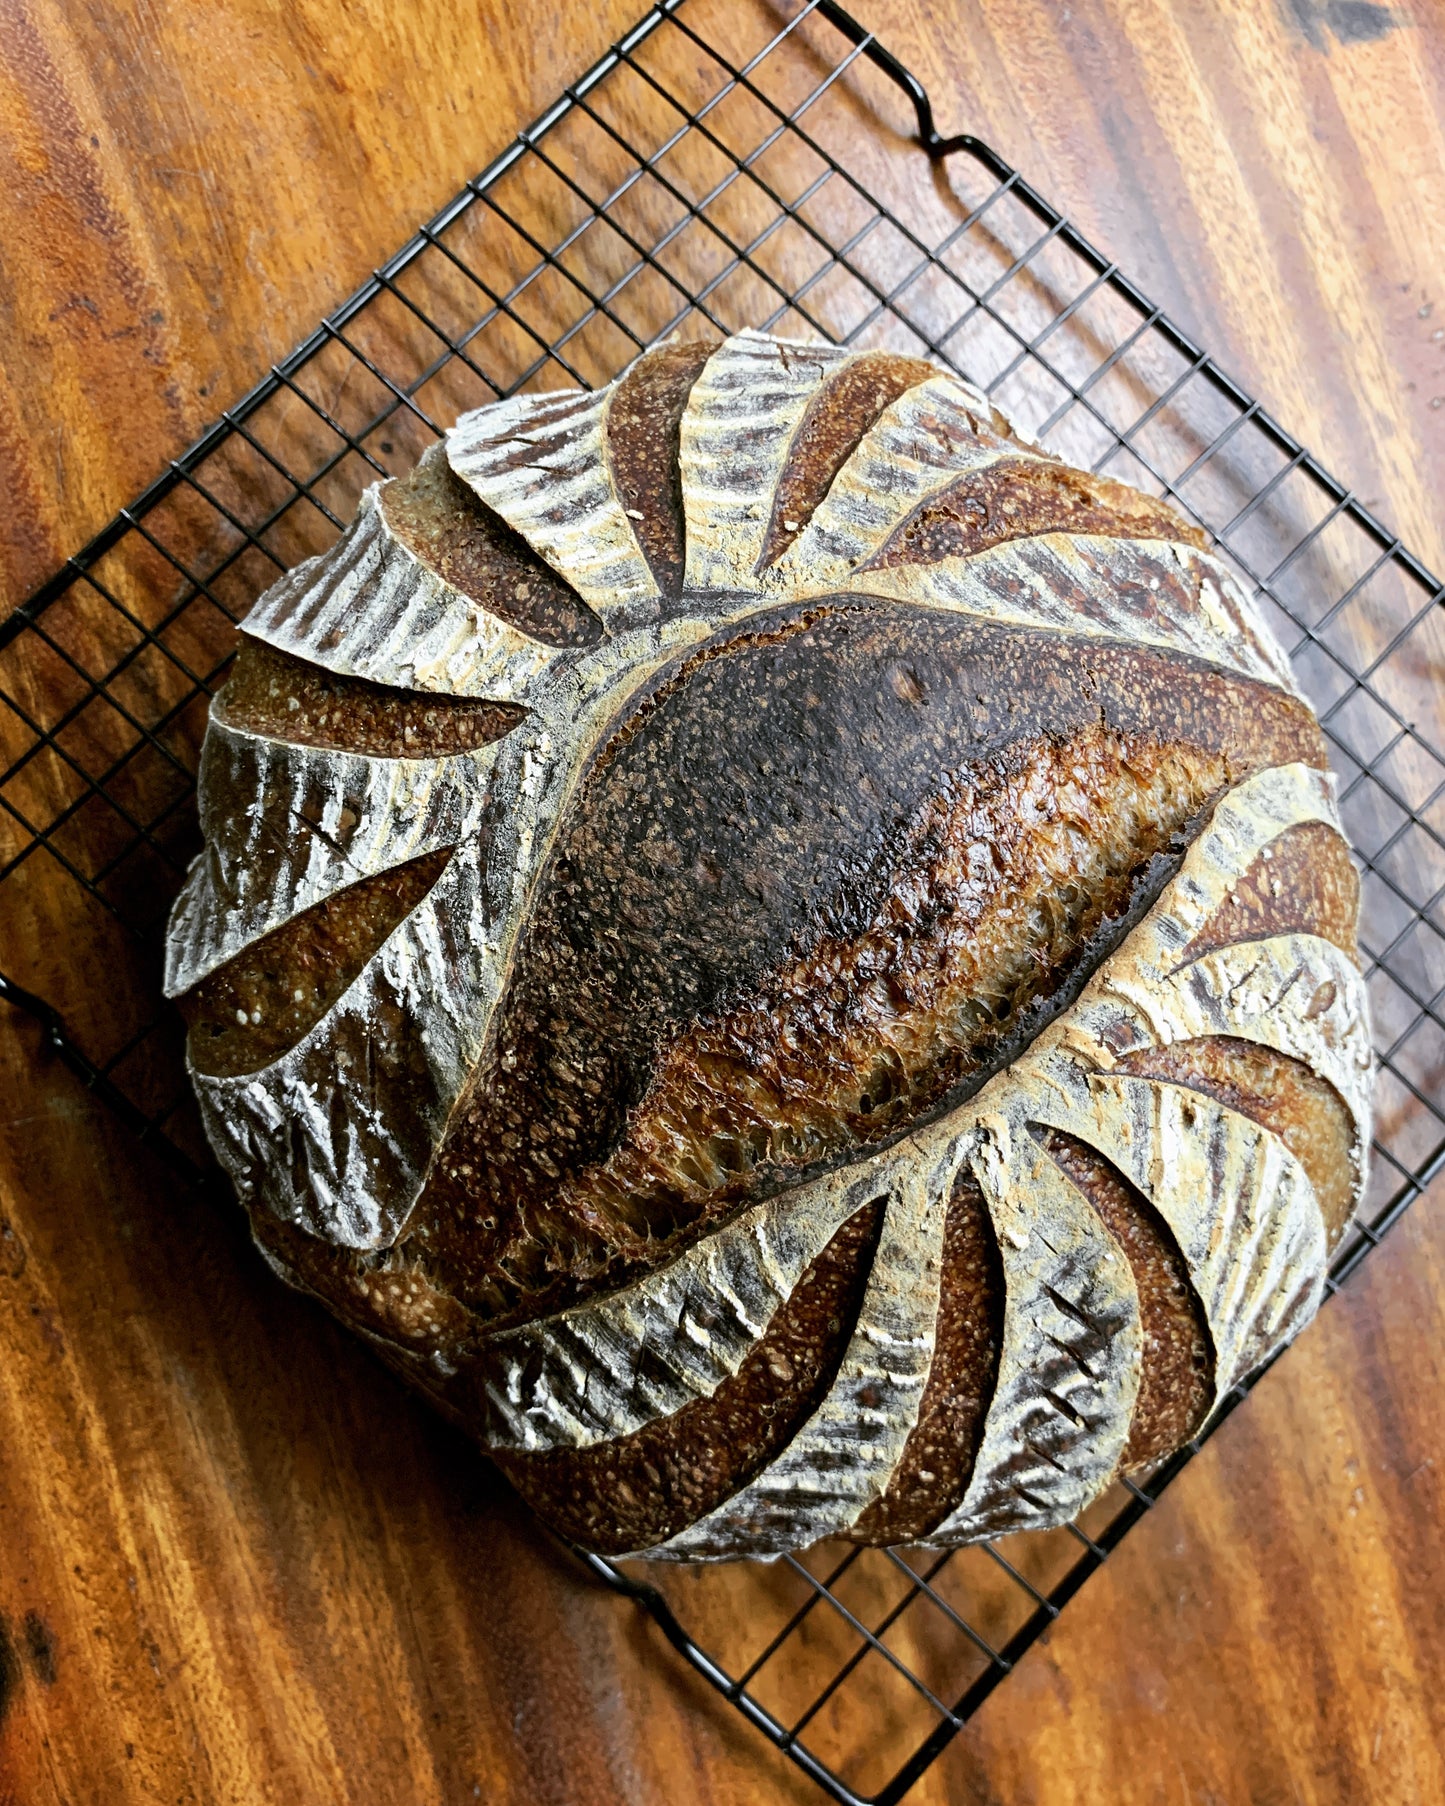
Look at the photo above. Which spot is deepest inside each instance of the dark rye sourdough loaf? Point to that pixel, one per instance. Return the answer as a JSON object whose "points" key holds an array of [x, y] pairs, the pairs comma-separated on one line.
{"points": [[786, 956]]}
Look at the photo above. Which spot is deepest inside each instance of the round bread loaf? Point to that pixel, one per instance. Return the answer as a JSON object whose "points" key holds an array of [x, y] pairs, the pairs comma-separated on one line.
{"points": [[784, 955]]}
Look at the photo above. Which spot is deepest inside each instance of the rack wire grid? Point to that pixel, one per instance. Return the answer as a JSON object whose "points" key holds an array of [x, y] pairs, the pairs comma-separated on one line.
{"points": [[797, 184]]}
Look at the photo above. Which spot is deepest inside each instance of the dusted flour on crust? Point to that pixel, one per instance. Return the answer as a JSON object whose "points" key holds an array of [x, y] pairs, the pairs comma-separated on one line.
{"points": [[784, 955]]}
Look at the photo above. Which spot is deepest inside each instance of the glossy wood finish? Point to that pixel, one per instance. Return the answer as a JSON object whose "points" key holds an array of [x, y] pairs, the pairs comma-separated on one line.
{"points": [[188, 190], [237, 1563]]}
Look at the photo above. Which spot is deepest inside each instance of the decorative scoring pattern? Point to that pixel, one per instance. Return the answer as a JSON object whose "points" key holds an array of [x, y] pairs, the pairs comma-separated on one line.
{"points": [[683, 185], [1236, 1200]]}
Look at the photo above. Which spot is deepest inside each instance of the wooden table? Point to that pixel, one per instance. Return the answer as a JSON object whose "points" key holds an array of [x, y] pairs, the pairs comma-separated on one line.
{"points": [[237, 1564]]}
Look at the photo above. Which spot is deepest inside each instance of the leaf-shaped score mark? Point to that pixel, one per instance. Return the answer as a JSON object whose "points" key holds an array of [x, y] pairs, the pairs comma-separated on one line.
{"points": [[264, 1001], [1022, 498], [451, 531], [285, 698], [843, 409]]}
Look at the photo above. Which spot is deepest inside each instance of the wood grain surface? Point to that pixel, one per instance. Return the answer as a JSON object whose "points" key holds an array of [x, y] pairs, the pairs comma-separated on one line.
{"points": [[237, 1562]]}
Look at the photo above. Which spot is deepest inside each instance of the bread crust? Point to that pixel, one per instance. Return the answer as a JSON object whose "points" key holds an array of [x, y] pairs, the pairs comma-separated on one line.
{"points": [[797, 957]]}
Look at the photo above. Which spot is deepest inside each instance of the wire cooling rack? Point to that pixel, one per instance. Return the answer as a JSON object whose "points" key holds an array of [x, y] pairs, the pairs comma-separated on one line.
{"points": [[793, 181]]}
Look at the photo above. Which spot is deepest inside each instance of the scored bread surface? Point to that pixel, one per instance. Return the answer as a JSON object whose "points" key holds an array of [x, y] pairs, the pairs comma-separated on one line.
{"points": [[717, 892]]}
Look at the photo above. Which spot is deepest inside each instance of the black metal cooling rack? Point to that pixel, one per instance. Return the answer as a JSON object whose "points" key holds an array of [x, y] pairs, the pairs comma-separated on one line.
{"points": [[728, 163]]}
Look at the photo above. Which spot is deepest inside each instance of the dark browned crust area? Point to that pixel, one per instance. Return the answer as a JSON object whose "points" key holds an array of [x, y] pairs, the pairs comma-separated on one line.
{"points": [[286, 698], [440, 521], [249, 1012], [641, 1489], [1303, 882], [997, 891], [837, 417], [744, 961], [1304, 1110], [643, 425], [1176, 1380], [936, 1465], [1020, 498]]}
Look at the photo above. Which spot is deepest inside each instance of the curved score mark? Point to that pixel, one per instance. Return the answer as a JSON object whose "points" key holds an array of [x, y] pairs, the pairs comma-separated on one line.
{"points": [[639, 1490], [1022, 498], [842, 411], [1282, 1094], [260, 1004], [1176, 1379], [281, 697], [936, 1465], [1302, 882], [445, 524], [644, 427]]}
